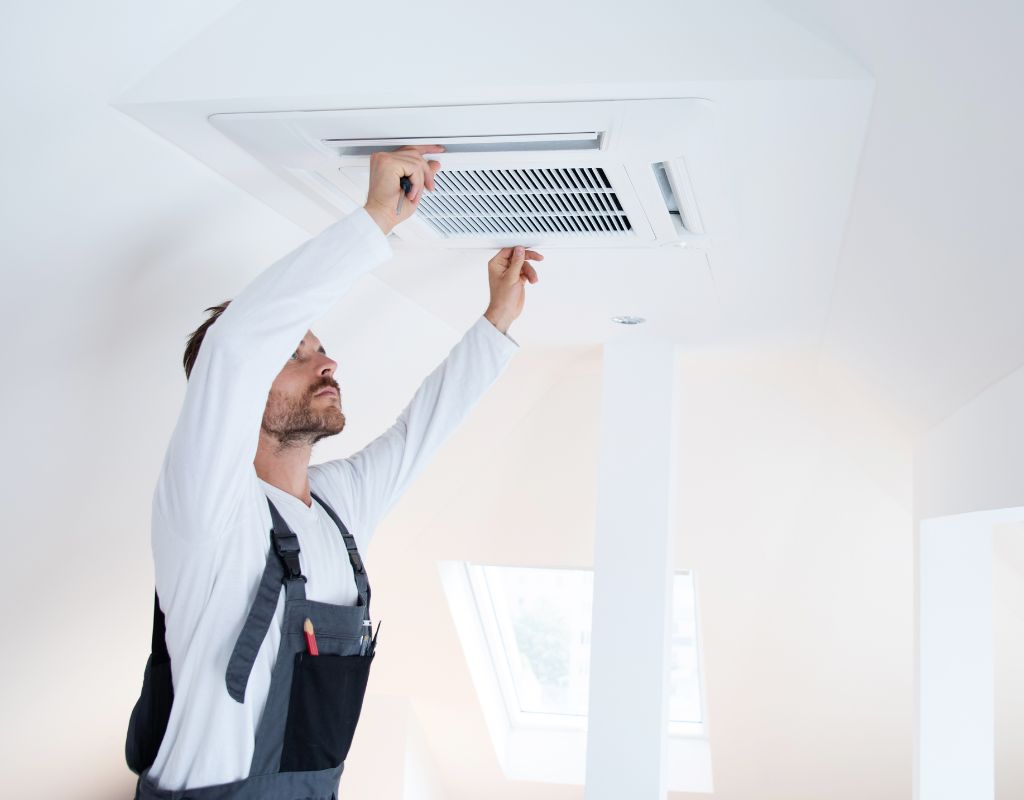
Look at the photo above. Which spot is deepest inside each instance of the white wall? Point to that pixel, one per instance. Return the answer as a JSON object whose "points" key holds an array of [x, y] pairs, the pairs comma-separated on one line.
{"points": [[112, 242], [108, 238], [794, 505], [1008, 657], [954, 731], [974, 459], [794, 510], [390, 758]]}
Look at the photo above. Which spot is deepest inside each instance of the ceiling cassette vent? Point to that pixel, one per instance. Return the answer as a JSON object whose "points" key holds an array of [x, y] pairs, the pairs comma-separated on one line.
{"points": [[629, 173], [573, 201]]}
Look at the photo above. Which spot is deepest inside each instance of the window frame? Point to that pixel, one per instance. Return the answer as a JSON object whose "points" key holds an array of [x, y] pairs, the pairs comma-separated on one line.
{"points": [[499, 657]]}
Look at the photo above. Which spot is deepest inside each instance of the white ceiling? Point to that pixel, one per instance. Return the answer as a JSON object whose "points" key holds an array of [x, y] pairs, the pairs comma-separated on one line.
{"points": [[787, 144], [927, 303], [904, 268], [855, 337]]}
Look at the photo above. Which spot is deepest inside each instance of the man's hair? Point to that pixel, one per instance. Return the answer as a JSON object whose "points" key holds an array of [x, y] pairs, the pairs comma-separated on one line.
{"points": [[195, 339]]}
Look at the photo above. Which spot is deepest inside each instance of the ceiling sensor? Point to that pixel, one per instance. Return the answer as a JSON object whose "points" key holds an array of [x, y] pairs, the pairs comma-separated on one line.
{"points": [[626, 173], [626, 320]]}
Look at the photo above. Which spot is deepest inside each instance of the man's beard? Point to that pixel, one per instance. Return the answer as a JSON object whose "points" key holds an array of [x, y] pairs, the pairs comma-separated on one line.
{"points": [[294, 422]]}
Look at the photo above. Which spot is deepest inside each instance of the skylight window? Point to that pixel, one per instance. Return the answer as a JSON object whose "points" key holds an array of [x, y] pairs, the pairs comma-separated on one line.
{"points": [[525, 633], [537, 626], [543, 627]]}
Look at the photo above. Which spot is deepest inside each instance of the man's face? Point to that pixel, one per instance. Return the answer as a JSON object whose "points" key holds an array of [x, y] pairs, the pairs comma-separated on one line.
{"points": [[304, 405]]}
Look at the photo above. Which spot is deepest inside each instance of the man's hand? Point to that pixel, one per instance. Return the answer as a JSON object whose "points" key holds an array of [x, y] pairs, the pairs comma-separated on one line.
{"points": [[507, 274], [386, 172]]}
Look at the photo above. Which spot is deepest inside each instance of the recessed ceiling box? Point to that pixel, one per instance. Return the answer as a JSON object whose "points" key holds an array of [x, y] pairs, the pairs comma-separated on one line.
{"points": [[630, 173]]}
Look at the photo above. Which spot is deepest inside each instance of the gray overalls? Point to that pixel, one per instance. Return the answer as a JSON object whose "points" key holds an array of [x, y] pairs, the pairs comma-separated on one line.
{"points": [[314, 701]]}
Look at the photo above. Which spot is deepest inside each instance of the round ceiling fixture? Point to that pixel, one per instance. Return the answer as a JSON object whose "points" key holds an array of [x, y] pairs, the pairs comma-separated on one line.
{"points": [[627, 320]]}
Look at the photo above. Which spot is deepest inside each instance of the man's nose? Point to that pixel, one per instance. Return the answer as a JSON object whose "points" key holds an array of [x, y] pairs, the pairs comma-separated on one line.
{"points": [[327, 366]]}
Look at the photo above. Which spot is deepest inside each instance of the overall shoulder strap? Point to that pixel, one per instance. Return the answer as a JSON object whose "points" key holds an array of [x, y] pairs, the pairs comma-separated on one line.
{"points": [[282, 567], [358, 568]]}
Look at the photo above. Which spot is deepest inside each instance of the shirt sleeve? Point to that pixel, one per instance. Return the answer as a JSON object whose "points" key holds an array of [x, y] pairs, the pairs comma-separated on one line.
{"points": [[209, 460], [368, 483]]}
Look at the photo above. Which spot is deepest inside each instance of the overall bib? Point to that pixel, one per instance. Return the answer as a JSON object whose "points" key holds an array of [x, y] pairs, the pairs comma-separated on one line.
{"points": [[313, 703]]}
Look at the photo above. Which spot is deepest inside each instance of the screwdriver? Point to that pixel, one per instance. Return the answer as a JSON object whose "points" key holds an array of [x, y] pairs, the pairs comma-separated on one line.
{"points": [[406, 185]]}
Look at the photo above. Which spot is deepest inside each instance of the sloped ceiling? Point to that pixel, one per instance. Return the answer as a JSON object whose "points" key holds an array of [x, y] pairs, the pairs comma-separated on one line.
{"points": [[927, 298]]}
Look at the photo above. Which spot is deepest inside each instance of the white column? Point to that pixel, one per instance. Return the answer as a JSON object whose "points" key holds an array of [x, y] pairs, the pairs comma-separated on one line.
{"points": [[955, 715], [626, 738]]}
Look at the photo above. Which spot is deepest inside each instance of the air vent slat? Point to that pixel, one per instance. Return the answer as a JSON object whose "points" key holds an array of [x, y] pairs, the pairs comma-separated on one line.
{"points": [[443, 227], [480, 210], [584, 203], [573, 203], [593, 202], [494, 206], [502, 179], [532, 200], [488, 182], [570, 201], [547, 204]]}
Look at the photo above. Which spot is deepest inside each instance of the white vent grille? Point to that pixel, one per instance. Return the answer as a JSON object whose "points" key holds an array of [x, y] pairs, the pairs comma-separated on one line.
{"points": [[575, 201], [580, 176]]}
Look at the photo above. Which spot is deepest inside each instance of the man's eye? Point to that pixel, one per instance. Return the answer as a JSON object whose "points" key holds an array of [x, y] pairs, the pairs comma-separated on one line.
{"points": [[294, 355]]}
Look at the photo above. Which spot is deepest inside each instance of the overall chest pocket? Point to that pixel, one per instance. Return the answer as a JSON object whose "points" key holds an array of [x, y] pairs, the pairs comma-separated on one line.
{"points": [[323, 710]]}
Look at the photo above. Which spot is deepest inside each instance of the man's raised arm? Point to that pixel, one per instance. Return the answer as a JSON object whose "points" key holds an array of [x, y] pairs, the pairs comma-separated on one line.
{"points": [[210, 455], [371, 481]]}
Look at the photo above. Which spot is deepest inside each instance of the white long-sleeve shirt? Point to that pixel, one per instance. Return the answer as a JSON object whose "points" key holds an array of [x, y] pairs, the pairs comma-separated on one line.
{"points": [[211, 524]]}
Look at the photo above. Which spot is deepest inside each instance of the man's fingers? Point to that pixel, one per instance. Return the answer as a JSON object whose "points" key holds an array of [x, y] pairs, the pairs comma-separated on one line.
{"points": [[390, 168], [530, 273], [505, 252], [500, 259], [432, 168], [420, 175], [423, 149], [424, 177], [425, 171], [419, 171], [417, 184], [515, 263]]}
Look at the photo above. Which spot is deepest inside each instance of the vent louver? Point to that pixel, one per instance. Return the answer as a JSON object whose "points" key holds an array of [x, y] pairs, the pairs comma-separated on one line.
{"points": [[575, 201]]}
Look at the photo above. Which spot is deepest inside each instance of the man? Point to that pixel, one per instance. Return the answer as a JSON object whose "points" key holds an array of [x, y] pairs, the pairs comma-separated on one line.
{"points": [[267, 603]]}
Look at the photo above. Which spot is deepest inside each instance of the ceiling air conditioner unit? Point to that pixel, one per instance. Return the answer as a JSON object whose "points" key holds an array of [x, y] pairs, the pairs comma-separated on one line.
{"points": [[628, 173]]}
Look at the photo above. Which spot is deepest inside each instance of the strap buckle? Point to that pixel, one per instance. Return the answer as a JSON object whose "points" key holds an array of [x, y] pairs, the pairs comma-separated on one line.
{"points": [[286, 545]]}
